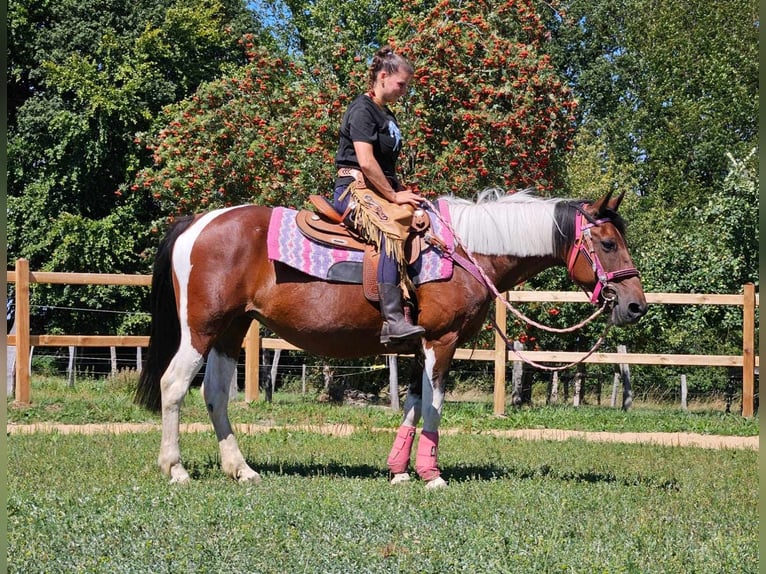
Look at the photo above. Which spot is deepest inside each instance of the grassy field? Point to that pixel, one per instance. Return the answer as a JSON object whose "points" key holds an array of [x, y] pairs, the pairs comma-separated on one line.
{"points": [[98, 503]]}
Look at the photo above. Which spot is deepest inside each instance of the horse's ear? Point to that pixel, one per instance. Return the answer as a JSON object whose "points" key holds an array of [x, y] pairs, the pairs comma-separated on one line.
{"points": [[615, 203], [600, 206]]}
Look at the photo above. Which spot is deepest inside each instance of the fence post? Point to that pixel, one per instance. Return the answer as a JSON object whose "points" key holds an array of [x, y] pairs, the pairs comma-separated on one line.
{"points": [[10, 382], [501, 353], [113, 360], [393, 381], [252, 361], [553, 398], [517, 377], [615, 383], [684, 393], [579, 385], [748, 350], [72, 366], [624, 370], [22, 332]]}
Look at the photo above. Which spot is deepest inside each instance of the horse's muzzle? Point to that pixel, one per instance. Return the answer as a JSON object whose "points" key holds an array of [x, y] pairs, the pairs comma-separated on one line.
{"points": [[627, 311]]}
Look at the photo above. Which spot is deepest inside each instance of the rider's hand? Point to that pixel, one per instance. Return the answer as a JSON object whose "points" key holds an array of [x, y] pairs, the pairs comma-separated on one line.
{"points": [[406, 196]]}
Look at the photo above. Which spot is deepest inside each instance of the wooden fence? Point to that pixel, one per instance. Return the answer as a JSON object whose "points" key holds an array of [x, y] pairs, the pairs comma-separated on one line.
{"points": [[500, 355]]}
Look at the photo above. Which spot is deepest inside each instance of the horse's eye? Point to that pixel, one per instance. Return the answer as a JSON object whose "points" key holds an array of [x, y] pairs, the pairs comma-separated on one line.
{"points": [[608, 245]]}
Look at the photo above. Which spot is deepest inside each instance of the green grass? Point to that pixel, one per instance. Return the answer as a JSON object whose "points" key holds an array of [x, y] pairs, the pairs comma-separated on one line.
{"points": [[98, 504], [96, 401]]}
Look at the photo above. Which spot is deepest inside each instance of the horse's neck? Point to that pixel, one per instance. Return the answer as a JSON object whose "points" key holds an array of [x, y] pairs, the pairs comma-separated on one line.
{"points": [[506, 272]]}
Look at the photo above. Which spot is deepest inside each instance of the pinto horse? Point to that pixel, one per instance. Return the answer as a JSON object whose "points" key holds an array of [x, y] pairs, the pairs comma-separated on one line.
{"points": [[212, 276]]}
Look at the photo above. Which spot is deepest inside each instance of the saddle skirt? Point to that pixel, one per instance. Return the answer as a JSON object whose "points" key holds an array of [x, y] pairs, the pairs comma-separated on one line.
{"points": [[344, 263]]}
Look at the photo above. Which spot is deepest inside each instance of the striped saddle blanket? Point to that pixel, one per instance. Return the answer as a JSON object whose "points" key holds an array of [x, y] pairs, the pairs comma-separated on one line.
{"points": [[288, 245]]}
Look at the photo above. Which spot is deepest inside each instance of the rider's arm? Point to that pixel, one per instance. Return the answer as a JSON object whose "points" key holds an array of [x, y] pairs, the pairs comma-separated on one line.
{"points": [[377, 179]]}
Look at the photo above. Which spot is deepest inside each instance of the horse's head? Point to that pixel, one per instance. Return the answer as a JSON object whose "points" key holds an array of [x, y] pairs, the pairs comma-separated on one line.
{"points": [[598, 260]]}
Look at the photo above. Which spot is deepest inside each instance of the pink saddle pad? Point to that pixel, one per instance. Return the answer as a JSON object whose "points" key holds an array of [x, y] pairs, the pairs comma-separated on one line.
{"points": [[288, 245]]}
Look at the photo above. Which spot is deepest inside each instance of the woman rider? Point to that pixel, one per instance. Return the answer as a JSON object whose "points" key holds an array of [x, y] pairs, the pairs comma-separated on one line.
{"points": [[370, 142]]}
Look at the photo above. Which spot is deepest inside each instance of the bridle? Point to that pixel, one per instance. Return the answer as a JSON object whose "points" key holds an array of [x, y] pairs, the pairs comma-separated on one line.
{"points": [[583, 245]]}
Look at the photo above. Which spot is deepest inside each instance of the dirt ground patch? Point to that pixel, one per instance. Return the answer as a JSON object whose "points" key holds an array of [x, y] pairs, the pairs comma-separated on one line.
{"points": [[658, 438]]}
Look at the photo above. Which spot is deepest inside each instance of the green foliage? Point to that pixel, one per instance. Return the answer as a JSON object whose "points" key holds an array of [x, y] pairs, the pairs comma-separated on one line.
{"points": [[332, 35], [84, 77], [667, 86], [667, 95], [268, 134], [710, 248], [260, 136]]}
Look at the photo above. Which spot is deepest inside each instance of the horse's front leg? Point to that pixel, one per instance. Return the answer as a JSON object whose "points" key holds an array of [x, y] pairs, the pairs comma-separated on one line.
{"points": [[399, 457], [215, 391], [437, 360]]}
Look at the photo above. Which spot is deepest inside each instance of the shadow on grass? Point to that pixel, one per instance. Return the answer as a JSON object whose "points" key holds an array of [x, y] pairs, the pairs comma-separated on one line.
{"points": [[453, 474], [464, 473]]}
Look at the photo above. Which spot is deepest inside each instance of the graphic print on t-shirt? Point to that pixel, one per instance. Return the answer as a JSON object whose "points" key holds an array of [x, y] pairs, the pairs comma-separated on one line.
{"points": [[394, 132]]}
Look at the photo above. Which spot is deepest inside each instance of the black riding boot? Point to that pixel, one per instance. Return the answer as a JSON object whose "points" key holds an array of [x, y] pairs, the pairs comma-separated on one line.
{"points": [[394, 325]]}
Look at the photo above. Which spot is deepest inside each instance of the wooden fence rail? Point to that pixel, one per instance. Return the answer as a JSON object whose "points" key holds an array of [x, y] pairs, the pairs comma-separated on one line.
{"points": [[500, 355]]}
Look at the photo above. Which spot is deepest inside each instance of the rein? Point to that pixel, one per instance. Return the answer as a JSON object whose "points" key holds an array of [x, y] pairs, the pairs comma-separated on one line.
{"points": [[583, 244]]}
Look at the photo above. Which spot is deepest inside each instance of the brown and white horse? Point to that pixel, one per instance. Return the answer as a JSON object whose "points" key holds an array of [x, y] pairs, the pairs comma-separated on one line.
{"points": [[212, 276]]}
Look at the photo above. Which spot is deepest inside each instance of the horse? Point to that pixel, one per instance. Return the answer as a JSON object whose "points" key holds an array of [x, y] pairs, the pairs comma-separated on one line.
{"points": [[212, 276]]}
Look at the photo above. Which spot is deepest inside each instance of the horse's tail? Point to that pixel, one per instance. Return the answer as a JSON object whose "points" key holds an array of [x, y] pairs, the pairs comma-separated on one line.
{"points": [[165, 332]]}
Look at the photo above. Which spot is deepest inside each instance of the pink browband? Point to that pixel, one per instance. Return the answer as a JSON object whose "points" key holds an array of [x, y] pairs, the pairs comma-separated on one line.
{"points": [[583, 244]]}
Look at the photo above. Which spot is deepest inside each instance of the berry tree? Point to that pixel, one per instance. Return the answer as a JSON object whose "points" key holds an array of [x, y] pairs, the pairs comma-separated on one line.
{"points": [[488, 108]]}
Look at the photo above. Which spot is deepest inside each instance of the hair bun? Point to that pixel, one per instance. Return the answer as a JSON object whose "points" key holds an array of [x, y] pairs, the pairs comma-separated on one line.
{"points": [[385, 52]]}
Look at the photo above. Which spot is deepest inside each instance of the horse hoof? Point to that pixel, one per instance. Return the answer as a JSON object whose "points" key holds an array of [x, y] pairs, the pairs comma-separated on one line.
{"points": [[436, 483], [249, 476], [178, 475], [400, 478]]}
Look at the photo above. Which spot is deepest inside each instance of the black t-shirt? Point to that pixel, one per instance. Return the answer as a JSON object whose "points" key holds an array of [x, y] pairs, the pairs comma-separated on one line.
{"points": [[365, 121]]}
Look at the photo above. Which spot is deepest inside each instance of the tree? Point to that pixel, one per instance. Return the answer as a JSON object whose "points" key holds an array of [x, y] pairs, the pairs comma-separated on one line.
{"points": [[488, 108], [485, 110], [265, 135], [332, 35], [84, 77], [668, 105]]}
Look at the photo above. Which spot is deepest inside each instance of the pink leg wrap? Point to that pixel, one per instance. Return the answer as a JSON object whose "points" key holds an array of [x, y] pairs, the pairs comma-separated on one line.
{"points": [[399, 457], [425, 461]]}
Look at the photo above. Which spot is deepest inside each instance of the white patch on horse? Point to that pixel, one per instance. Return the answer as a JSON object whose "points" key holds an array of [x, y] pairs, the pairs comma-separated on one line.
{"points": [[433, 395], [412, 409], [519, 224], [182, 265]]}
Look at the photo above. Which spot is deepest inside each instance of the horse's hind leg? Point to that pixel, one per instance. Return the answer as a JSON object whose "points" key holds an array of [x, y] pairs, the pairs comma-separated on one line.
{"points": [[174, 384], [221, 366]]}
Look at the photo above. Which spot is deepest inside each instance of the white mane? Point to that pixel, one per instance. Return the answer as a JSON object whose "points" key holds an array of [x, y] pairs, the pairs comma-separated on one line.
{"points": [[519, 224]]}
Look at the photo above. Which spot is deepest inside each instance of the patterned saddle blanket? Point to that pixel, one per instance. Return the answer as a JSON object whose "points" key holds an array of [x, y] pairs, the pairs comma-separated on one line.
{"points": [[288, 245]]}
